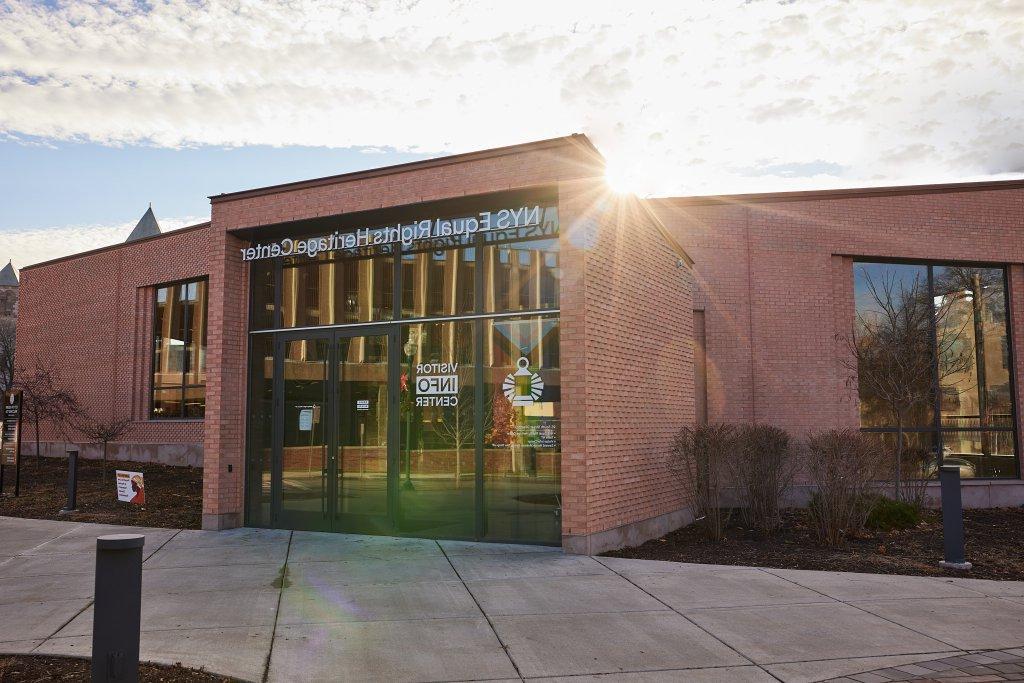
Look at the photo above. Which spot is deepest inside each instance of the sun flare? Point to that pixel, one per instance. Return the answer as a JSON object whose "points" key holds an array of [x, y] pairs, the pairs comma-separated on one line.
{"points": [[623, 179]]}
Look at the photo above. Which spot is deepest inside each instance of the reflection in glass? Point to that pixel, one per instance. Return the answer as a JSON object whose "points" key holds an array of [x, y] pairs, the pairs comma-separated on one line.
{"points": [[179, 351], [438, 283], [893, 333], [436, 489], [304, 454], [263, 286], [917, 325], [362, 426], [974, 368], [919, 458], [261, 420], [980, 453], [342, 290], [522, 434], [522, 276]]}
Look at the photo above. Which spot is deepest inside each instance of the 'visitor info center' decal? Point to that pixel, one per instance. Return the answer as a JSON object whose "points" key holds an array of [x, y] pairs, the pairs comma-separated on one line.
{"points": [[437, 384]]}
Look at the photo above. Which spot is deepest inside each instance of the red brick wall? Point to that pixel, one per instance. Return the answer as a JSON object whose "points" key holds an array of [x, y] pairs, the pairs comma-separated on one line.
{"points": [[777, 281], [521, 167], [89, 319], [627, 305], [559, 160]]}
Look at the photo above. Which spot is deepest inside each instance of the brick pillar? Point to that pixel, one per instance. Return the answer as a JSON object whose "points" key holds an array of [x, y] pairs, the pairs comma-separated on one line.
{"points": [[224, 442], [578, 216]]}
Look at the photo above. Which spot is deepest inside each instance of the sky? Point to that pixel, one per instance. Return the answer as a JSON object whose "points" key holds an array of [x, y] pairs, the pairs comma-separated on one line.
{"points": [[108, 106]]}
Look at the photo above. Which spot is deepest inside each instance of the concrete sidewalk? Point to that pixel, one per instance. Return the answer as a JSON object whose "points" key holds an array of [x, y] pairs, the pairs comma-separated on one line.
{"points": [[282, 606]]}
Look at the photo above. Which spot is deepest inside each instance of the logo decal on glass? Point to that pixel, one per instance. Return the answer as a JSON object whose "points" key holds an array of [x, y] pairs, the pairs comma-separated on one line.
{"points": [[522, 387]]}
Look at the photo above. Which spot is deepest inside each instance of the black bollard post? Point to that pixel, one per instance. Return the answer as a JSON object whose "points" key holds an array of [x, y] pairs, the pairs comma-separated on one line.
{"points": [[117, 610], [952, 519], [72, 504]]}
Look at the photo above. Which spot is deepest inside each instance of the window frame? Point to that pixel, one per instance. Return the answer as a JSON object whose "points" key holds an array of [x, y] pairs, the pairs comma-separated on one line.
{"points": [[936, 430], [184, 386]]}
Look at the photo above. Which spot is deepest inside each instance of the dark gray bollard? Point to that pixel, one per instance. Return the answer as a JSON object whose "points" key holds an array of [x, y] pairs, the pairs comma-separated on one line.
{"points": [[117, 610], [72, 504], [952, 519]]}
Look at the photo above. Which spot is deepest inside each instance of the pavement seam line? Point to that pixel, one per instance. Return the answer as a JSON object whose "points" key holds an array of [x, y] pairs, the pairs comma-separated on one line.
{"points": [[484, 614], [277, 611], [93, 598], [50, 540], [878, 616], [169, 539], [691, 621]]}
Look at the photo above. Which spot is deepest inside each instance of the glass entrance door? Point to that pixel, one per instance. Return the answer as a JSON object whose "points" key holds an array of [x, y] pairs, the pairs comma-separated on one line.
{"points": [[364, 418], [301, 446], [334, 441]]}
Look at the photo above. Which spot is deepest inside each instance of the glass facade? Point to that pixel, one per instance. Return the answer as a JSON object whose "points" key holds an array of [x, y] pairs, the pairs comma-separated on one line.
{"points": [[432, 372], [179, 351], [934, 356]]}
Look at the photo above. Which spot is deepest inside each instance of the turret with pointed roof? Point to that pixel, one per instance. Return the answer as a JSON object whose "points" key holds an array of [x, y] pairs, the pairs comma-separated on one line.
{"points": [[146, 227], [9, 291], [8, 278]]}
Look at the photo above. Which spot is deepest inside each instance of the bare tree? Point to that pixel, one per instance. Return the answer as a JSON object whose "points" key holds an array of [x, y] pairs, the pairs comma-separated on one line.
{"points": [[7, 335], [45, 400], [104, 432], [456, 427], [892, 350]]}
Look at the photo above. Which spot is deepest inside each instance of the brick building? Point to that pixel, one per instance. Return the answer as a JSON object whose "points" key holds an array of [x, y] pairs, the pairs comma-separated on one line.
{"points": [[494, 346]]}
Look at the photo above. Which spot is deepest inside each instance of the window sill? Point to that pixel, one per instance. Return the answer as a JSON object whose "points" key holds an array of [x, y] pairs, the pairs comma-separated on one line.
{"points": [[159, 420]]}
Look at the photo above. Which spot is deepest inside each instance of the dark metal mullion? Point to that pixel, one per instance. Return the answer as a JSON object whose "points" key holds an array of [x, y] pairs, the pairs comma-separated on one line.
{"points": [[394, 424], [394, 389], [277, 430], [936, 388], [278, 294], [183, 290], [331, 430], [1012, 365], [480, 518]]}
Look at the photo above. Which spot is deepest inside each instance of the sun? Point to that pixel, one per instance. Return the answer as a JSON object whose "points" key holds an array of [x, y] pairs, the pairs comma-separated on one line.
{"points": [[623, 179]]}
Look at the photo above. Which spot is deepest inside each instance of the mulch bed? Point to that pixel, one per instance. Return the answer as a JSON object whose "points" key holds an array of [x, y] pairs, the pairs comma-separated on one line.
{"points": [[32, 669], [995, 538], [174, 495]]}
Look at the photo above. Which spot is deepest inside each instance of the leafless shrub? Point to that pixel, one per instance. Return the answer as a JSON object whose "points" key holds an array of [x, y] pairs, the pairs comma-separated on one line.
{"points": [[7, 338], [762, 471], [919, 469], [700, 456], [103, 432], [843, 464]]}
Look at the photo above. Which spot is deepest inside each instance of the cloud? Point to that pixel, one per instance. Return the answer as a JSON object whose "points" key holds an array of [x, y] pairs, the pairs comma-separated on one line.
{"points": [[27, 247], [897, 91]]}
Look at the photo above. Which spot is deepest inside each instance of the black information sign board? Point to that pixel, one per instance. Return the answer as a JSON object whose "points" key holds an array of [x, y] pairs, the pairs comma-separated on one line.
{"points": [[10, 438]]}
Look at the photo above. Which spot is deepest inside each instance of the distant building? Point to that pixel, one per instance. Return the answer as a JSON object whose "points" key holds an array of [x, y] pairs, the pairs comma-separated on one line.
{"points": [[9, 286]]}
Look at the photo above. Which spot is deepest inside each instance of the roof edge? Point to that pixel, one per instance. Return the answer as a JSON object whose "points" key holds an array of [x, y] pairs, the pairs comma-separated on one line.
{"points": [[659, 225], [844, 193], [119, 245], [579, 139]]}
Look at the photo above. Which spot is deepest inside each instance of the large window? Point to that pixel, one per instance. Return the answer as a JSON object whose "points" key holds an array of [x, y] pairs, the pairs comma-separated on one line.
{"points": [[476, 449], [933, 361], [179, 351]]}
